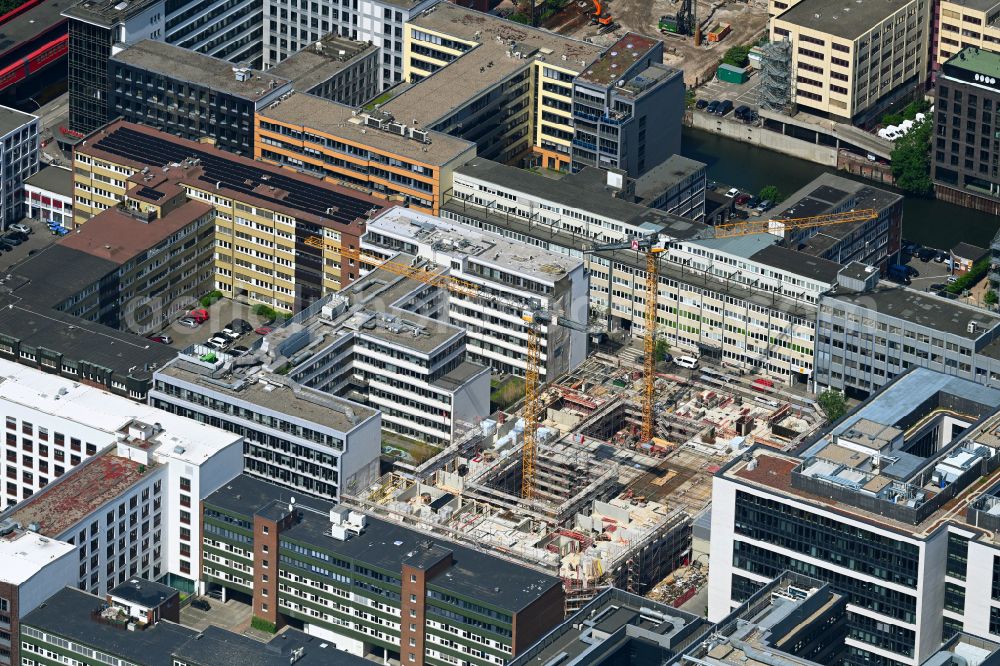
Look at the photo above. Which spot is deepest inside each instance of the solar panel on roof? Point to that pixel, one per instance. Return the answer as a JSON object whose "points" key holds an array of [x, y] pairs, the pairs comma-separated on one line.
{"points": [[149, 193], [141, 147]]}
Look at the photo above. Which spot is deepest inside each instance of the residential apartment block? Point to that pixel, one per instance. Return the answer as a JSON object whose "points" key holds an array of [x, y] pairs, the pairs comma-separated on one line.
{"points": [[367, 151], [302, 439], [18, 161], [226, 29], [189, 94], [627, 106], [868, 332], [508, 277], [113, 629], [746, 301], [336, 68], [851, 65], [889, 507], [966, 145], [290, 27], [278, 234], [371, 587]]}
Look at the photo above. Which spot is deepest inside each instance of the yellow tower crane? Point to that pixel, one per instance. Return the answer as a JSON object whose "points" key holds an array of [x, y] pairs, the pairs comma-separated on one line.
{"points": [[654, 246]]}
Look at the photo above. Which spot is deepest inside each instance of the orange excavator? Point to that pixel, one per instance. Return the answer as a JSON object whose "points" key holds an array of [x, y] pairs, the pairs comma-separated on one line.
{"points": [[600, 16]]}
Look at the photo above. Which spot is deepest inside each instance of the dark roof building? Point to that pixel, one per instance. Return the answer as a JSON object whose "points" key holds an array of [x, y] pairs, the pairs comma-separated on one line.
{"points": [[439, 583]]}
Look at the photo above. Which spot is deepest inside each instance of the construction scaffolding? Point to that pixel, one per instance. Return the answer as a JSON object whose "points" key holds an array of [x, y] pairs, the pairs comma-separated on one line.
{"points": [[775, 87]]}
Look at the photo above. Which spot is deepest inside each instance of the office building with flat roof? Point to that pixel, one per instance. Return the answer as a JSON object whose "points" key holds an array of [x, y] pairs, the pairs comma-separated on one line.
{"points": [[289, 28], [704, 281], [303, 439], [617, 627], [794, 620], [627, 108], [868, 332], [335, 68], [964, 138], [18, 161], [98, 29], [505, 277], [32, 569], [99, 630], [190, 94], [892, 506], [965, 23], [851, 65], [368, 586], [363, 151], [48, 196], [477, 68], [278, 234], [874, 242]]}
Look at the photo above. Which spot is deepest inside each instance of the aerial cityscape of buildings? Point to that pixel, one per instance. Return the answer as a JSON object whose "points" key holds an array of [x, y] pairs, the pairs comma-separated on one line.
{"points": [[450, 333]]}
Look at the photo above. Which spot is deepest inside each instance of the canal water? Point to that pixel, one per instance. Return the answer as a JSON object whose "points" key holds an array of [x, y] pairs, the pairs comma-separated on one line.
{"points": [[928, 222]]}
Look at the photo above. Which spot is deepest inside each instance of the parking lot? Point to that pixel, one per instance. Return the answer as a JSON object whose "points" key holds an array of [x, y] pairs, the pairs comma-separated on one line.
{"points": [[928, 273], [738, 94], [220, 313], [39, 239]]}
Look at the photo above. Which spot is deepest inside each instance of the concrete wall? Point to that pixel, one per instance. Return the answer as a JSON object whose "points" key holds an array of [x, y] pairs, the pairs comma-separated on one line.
{"points": [[758, 136]]}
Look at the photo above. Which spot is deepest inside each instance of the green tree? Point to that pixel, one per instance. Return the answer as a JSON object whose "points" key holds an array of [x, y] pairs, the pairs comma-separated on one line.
{"points": [[832, 402], [911, 161], [991, 297], [662, 349], [770, 193], [737, 56]]}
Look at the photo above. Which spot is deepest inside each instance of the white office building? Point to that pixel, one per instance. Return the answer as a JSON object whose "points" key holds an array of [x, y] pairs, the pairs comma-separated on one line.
{"points": [[507, 277], [118, 480], [896, 507], [290, 27], [297, 437], [18, 160]]}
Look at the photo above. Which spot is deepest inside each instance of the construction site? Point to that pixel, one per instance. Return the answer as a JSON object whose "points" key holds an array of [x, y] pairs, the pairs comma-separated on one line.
{"points": [[675, 21], [607, 506]]}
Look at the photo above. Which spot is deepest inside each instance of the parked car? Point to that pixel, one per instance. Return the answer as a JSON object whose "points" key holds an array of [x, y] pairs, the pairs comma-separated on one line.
{"points": [[762, 384], [724, 108], [263, 330], [162, 339], [742, 199], [232, 334], [732, 192], [19, 235], [217, 342], [200, 315], [21, 227], [201, 605], [764, 206], [190, 322], [952, 279], [940, 256], [241, 325], [689, 362], [700, 104], [11, 239], [712, 185], [713, 106], [926, 254], [934, 288]]}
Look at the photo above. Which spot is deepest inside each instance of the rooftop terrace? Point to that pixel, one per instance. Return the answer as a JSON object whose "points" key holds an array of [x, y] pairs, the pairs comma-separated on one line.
{"points": [[618, 59]]}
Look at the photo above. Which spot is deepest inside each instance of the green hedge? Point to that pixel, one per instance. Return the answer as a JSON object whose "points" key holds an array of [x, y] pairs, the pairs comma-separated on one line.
{"points": [[260, 624], [975, 274]]}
